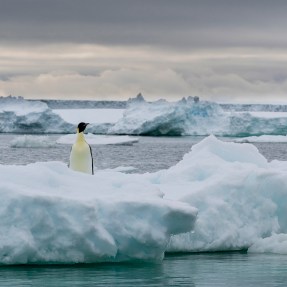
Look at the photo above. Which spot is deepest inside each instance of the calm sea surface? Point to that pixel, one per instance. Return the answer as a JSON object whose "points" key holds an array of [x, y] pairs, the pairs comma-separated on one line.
{"points": [[204, 269]]}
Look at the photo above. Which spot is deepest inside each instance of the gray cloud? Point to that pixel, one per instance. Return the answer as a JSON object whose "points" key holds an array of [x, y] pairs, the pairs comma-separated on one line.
{"points": [[223, 50], [181, 24]]}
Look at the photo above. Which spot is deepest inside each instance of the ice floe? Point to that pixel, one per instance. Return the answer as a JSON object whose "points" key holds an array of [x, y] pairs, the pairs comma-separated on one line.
{"points": [[240, 197], [21, 116], [31, 141], [263, 138], [99, 139], [50, 214]]}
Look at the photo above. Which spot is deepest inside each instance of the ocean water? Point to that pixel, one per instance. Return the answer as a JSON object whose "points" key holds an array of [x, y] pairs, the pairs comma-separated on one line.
{"points": [[148, 155], [198, 269], [205, 269]]}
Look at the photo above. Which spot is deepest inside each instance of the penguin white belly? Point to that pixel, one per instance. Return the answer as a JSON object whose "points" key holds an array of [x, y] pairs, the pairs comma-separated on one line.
{"points": [[81, 158]]}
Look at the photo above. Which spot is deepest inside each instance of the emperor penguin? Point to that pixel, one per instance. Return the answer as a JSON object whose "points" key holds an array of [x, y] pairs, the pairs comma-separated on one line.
{"points": [[81, 158]]}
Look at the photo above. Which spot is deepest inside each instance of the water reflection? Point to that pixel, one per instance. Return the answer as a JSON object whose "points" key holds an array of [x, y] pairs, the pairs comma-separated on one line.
{"points": [[207, 269]]}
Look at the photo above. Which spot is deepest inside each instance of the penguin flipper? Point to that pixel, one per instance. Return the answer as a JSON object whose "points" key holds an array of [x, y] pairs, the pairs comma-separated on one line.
{"points": [[92, 159], [69, 159]]}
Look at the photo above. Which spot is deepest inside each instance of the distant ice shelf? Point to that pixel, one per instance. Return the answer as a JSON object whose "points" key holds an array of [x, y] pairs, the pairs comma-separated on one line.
{"points": [[160, 118], [95, 116]]}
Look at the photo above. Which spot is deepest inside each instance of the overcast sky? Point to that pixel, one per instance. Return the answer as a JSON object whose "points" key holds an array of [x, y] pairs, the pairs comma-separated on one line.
{"points": [[219, 50]]}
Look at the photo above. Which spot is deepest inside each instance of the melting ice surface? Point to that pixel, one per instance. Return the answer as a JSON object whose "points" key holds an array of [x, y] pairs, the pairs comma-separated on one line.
{"points": [[50, 214]]}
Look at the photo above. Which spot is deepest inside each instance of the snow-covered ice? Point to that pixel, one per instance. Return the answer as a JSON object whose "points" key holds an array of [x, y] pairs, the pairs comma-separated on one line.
{"points": [[30, 141], [269, 114], [190, 118], [240, 197], [50, 214], [95, 116], [21, 107], [276, 243], [21, 116], [263, 138], [99, 139], [184, 117]]}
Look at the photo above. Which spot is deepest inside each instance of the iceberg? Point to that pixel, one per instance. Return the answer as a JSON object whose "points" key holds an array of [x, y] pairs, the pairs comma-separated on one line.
{"points": [[22, 116], [160, 118], [187, 117], [222, 196], [95, 116], [169, 119], [51, 214], [240, 196], [276, 244], [99, 139]]}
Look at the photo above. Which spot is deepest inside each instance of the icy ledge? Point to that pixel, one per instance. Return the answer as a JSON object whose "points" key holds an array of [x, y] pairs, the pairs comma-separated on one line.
{"points": [[50, 214], [241, 198], [21, 116]]}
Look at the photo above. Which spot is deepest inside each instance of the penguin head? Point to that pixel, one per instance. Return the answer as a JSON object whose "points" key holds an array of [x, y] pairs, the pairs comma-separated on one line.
{"points": [[82, 126]]}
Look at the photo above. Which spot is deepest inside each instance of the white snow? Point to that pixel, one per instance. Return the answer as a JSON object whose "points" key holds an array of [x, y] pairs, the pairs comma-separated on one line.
{"points": [[263, 138], [240, 197], [269, 115], [30, 141], [95, 116], [21, 107], [50, 214], [190, 118], [159, 118], [21, 116], [99, 139], [276, 243]]}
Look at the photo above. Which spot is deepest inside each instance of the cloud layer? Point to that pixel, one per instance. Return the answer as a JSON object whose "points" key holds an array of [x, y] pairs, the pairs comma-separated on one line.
{"points": [[223, 50]]}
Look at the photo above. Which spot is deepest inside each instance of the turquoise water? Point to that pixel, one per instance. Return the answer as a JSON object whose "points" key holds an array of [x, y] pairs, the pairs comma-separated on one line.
{"points": [[206, 269]]}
